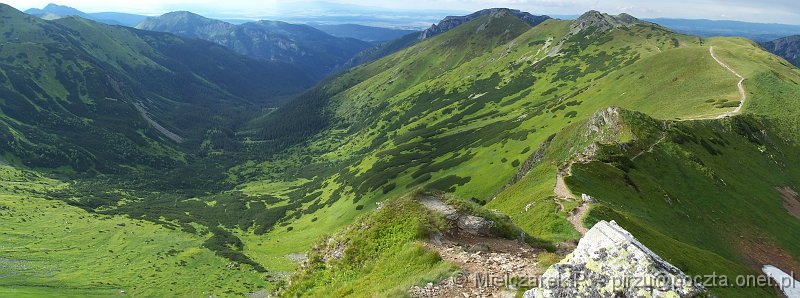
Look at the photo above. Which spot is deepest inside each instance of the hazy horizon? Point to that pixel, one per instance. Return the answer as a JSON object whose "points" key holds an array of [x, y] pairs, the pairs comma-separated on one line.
{"points": [[767, 11]]}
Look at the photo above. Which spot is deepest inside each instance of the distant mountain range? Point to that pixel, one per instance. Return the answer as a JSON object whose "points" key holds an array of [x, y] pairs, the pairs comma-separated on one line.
{"points": [[303, 45], [53, 11], [93, 97], [339, 20], [361, 32], [705, 28], [441, 27]]}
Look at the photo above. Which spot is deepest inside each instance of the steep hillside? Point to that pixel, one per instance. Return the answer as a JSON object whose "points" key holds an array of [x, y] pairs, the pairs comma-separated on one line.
{"points": [[461, 112], [94, 97], [787, 47], [303, 45], [474, 121]]}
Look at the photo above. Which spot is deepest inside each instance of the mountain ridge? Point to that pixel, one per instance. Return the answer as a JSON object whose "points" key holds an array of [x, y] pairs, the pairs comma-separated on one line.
{"points": [[318, 52], [53, 11], [122, 69], [451, 22]]}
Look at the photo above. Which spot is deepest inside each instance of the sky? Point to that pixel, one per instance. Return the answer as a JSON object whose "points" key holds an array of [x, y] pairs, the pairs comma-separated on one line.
{"points": [[762, 11]]}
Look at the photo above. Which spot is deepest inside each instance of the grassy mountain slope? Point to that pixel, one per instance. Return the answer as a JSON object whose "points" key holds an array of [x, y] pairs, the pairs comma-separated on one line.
{"points": [[679, 186], [468, 131], [491, 111], [690, 202], [437, 127], [71, 88], [318, 52]]}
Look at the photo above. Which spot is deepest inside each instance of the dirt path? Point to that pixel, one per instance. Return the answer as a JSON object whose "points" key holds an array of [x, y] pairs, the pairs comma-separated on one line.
{"points": [[663, 137], [563, 193], [575, 218], [740, 85], [488, 264], [560, 189]]}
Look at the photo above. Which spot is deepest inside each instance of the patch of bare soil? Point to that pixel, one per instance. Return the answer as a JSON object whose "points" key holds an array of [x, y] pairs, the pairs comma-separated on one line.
{"points": [[491, 267], [762, 251], [790, 201]]}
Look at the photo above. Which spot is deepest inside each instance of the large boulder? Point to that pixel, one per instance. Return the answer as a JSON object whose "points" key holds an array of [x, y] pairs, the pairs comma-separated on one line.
{"points": [[474, 225], [610, 262]]}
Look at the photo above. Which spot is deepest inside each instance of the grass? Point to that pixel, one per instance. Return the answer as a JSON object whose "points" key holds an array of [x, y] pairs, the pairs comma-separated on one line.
{"points": [[461, 111], [51, 248], [396, 120], [381, 250], [690, 202]]}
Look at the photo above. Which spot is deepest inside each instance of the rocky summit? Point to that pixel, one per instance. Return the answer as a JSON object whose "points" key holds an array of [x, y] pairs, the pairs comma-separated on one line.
{"points": [[610, 262]]}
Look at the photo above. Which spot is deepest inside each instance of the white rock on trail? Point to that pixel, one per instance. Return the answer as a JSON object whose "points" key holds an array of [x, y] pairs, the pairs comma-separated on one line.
{"points": [[610, 262]]}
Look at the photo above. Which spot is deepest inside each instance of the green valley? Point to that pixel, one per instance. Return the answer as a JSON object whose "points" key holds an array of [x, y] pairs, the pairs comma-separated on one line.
{"points": [[154, 165]]}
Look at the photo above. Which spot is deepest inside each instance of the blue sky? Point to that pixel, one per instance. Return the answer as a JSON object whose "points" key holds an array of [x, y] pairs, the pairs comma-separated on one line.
{"points": [[772, 11]]}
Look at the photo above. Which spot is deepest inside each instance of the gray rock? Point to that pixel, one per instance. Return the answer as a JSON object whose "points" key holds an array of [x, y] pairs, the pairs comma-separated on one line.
{"points": [[436, 205], [474, 225], [610, 262], [588, 198], [604, 22], [478, 248]]}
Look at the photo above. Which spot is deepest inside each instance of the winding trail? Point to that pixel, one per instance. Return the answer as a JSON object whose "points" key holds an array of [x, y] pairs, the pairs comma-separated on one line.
{"points": [[663, 137], [576, 217], [563, 193], [740, 85]]}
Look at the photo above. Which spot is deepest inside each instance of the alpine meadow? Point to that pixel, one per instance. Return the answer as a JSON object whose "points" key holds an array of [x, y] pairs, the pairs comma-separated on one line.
{"points": [[495, 154]]}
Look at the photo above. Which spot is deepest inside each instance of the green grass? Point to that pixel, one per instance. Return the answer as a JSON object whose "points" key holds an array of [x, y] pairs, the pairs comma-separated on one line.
{"points": [[691, 193], [51, 248], [396, 124], [460, 112], [381, 251]]}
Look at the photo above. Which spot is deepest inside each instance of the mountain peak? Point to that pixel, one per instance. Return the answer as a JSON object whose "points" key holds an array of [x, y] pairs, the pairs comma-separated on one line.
{"points": [[56, 6], [451, 22], [604, 21], [186, 22]]}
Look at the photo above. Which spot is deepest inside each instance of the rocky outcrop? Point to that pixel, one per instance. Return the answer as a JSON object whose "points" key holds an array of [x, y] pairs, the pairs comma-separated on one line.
{"points": [[467, 224], [451, 22], [604, 125], [610, 262], [604, 22], [474, 225]]}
